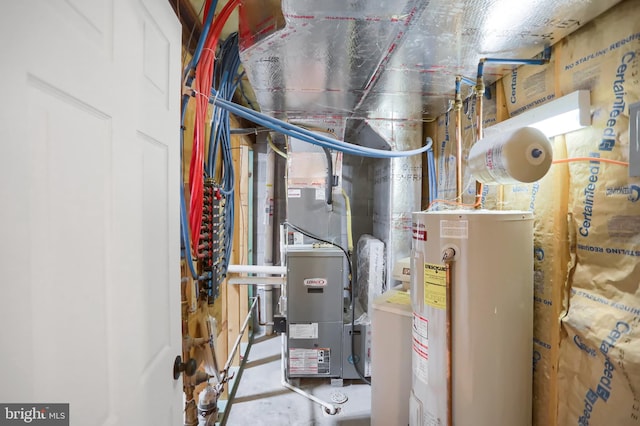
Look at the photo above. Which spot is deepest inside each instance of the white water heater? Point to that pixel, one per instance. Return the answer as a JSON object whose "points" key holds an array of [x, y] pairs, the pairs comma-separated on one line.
{"points": [[472, 299]]}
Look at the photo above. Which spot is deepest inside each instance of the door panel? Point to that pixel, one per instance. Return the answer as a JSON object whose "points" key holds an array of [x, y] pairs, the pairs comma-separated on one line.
{"points": [[155, 252], [68, 219], [89, 217]]}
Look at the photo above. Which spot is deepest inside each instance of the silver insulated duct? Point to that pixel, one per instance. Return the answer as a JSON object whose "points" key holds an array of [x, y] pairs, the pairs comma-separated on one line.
{"points": [[397, 187], [309, 59], [382, 68]]}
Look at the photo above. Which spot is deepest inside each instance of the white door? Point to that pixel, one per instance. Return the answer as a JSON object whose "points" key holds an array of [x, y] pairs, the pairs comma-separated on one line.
{"points": [[89, 225]]}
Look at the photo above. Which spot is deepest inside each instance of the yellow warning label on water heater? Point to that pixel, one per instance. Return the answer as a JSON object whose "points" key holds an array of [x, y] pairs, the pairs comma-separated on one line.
{"points": [[400, 298], [435, 285]]}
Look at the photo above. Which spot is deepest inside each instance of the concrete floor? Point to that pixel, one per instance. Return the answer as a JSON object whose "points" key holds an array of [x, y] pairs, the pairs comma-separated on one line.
{"points": [[261, 400]]}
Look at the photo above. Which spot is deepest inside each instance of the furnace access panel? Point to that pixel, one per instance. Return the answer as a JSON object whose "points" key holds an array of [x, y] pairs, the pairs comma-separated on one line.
{"points": [[314, 312]]}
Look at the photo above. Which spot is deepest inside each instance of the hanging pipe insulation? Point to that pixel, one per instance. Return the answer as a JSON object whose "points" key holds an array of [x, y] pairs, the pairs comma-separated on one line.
{"points": [[329, 408]]}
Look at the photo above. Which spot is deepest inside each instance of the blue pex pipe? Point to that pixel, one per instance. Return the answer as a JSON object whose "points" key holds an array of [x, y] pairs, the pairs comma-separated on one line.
{"points": [[307, 136], [468, 81], [203, 37], [509, 62]]}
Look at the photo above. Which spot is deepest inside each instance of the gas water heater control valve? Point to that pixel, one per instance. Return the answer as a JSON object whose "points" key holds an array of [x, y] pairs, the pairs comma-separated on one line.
{"points": [[448, 254]]}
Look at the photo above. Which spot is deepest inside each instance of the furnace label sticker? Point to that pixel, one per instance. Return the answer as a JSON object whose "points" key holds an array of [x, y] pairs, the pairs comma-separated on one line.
{"points": [[294, 193], [420, 344], [324, 361], [458, 229], [309, 361], [435, 285], [303, 331]]}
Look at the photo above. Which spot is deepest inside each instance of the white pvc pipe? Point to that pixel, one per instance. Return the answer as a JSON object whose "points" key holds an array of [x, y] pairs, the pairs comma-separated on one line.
{"points": [[257, 269], [257, 280], [269, 208], [283, 244], [330, 408], [262, 319], [265, 292], [282, 302]]}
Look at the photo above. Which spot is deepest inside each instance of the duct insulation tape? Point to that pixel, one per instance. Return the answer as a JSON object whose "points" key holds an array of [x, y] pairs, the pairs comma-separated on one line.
{"points": [[513, 156]]}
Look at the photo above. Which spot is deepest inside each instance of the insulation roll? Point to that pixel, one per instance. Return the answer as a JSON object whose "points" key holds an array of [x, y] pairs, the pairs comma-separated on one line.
{"points": [[513, 156]]}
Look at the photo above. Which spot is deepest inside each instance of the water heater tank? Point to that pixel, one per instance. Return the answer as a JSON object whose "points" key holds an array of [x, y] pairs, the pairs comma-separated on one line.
{"points": [[472, 274]]}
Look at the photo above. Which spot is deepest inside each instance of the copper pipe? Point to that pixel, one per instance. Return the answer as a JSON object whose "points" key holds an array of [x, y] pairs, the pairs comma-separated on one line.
{"points": [[449, 305], [190, 409], [458, 135], [459, 186], [479, 114]]}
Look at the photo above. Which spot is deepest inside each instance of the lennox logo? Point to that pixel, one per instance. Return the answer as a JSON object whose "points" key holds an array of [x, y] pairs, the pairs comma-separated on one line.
{"points": [[315, 282]]}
